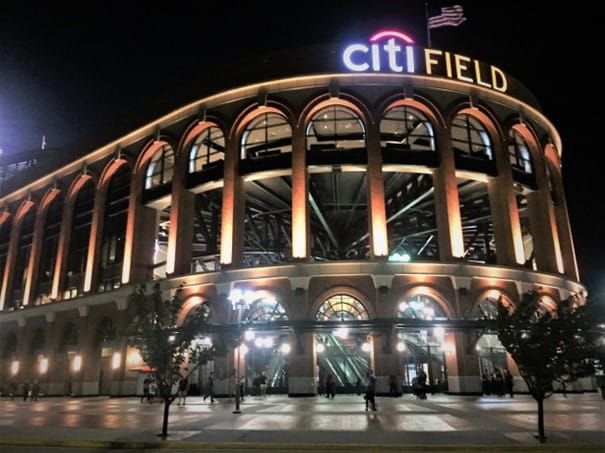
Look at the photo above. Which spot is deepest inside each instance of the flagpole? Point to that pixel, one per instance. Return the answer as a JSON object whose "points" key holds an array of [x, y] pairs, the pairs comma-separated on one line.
{"points": [[428, 30]]}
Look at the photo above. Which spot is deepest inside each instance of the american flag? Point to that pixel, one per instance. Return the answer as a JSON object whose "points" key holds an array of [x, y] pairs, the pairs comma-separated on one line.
{"points": [[450, 15]]}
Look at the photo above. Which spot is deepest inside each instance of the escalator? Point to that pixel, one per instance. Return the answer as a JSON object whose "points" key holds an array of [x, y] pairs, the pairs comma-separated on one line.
{"points": [[344, 360]]}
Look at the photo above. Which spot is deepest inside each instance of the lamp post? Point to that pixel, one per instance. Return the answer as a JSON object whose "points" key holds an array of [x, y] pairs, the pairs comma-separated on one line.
{"points": [[240, 301]]}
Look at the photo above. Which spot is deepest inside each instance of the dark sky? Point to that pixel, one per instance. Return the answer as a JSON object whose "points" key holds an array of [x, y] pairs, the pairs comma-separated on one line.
{"points": [[66, 71]]}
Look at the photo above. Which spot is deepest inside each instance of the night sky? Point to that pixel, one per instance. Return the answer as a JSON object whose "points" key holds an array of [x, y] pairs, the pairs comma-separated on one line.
{"points": [[65, 72]]}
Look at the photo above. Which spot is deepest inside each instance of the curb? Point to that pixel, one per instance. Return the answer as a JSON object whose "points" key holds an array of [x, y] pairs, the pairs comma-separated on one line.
{"points": [[239, 446]]}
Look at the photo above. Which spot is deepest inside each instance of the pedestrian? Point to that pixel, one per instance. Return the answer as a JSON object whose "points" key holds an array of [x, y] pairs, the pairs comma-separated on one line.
{"points": [[242, 382], [508, 381], [153, 391], [35, 391], [263, 384], [13, 389], [146, 383], [370, 395], [393, 385], [182, 390], [485, 384], [26, 390], [210, 387], [330, 391], [232, 381]]}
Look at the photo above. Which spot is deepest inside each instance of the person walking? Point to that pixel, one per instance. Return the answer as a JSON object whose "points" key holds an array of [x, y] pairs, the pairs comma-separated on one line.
{"points": [[182, 391], [153, 391], [370, 395], [26, 390], [508, 382], [146, 383], [263, 384], [35, 391], [210, 387], [330, 392]]}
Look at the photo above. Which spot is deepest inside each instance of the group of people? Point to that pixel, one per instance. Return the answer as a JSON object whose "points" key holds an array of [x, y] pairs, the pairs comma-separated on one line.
{"points": [[498, 382], [150, 389], [29, 390], [419, 385]]}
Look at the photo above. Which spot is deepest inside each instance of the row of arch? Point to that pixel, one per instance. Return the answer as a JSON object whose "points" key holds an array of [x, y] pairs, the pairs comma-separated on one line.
{"points": [[406, 125], [88, 244]]}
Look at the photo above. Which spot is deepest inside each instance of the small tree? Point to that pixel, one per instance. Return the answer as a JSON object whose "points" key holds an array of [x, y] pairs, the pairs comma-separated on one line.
{"points": [[164, 345], [548, 347]]}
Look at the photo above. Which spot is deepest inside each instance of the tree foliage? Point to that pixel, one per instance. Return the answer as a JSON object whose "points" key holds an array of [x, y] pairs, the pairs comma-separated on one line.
{"points": [[164, 345], [549, 347]]}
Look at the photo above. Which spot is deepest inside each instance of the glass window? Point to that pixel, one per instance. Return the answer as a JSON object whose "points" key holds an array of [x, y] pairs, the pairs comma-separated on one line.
{"points": [[209, 147], [406, 128], [266, 310], [161, 167], [335, 128], [518, 151], [470, 138], [341, 308], [267, 135], [421, 307]]}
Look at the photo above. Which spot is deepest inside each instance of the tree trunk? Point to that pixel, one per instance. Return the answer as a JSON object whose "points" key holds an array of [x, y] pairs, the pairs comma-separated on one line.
{"points": [[541, 436], [165, 421]]}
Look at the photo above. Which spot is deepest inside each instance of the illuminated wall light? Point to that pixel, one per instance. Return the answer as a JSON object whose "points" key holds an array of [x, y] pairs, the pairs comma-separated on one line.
{"points": [[320, 348], [243, 349], [134, 357], [366, 347], [76, 363], [400, 346], [259, 342], [116, 360], [285, 348], [43, 366], [14, 367]]}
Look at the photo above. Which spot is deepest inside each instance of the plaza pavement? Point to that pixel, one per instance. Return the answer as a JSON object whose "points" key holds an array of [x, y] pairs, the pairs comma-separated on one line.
{"points": [[279, 423]]}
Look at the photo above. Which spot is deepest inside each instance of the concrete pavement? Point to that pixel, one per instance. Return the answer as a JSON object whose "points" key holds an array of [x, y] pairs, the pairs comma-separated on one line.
{"points": [[278, 422]]}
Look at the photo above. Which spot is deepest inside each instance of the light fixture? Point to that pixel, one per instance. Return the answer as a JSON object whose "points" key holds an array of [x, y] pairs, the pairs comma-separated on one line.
{"points": [[400, 346], [116, 360], [366, 347], [43, 365], [320, 348], [249, 335], [14, 367], [285, 348], [76, 363]]}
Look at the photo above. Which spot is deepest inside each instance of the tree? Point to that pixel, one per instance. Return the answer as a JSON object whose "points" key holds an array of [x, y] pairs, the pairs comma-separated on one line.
{"points": [[164, 345], [548, 346]]}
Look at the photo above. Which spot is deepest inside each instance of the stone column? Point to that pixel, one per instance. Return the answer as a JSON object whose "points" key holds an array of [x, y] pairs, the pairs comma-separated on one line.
{"points": [[139, 243], [232, 218], [463, 374], [377, 216], [180, 234], [95, 240], [542, 220], [302, 373], [300, 204], [387, 360], [504, 212], [447, 202]]}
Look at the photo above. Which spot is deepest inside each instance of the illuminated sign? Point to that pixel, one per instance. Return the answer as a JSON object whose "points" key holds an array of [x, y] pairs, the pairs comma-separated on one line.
{"points": [[393, 51]]}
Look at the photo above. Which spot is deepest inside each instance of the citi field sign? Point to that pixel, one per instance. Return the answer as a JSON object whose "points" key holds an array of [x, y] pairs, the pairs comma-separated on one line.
{"points": [[393, 51]]}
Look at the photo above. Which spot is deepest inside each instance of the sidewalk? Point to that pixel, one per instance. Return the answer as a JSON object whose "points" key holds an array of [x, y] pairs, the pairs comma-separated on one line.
{"points": [[279, 423]]}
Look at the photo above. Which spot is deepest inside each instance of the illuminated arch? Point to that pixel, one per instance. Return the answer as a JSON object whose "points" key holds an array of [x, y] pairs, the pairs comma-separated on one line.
{"points": [[266, 132], [404, 126], [266, 309], [470, 135], [342, 307], [486, 305], [189, 305], [49, 197], [204, 145], [427, 296], [335, 125], [522, 146], [110, 170]]}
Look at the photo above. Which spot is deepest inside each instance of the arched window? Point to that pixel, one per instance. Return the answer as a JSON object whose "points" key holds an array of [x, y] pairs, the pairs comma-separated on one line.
{"points": [[266, 310], [407, 129], [341, 307], [267, 135], [78, 243], [421, 307], [488, 308], [208, 147], [335, 127], [114, 229], [470, 138], [50, 242], [518, 151], [160, 168]]}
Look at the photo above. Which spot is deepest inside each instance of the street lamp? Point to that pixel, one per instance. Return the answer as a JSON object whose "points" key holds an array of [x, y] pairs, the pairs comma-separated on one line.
{"points": [[240, 301]]}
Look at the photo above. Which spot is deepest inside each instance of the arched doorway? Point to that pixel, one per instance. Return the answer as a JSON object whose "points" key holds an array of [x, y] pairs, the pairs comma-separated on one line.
{"points": [[344, 353], [422, 348]]}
